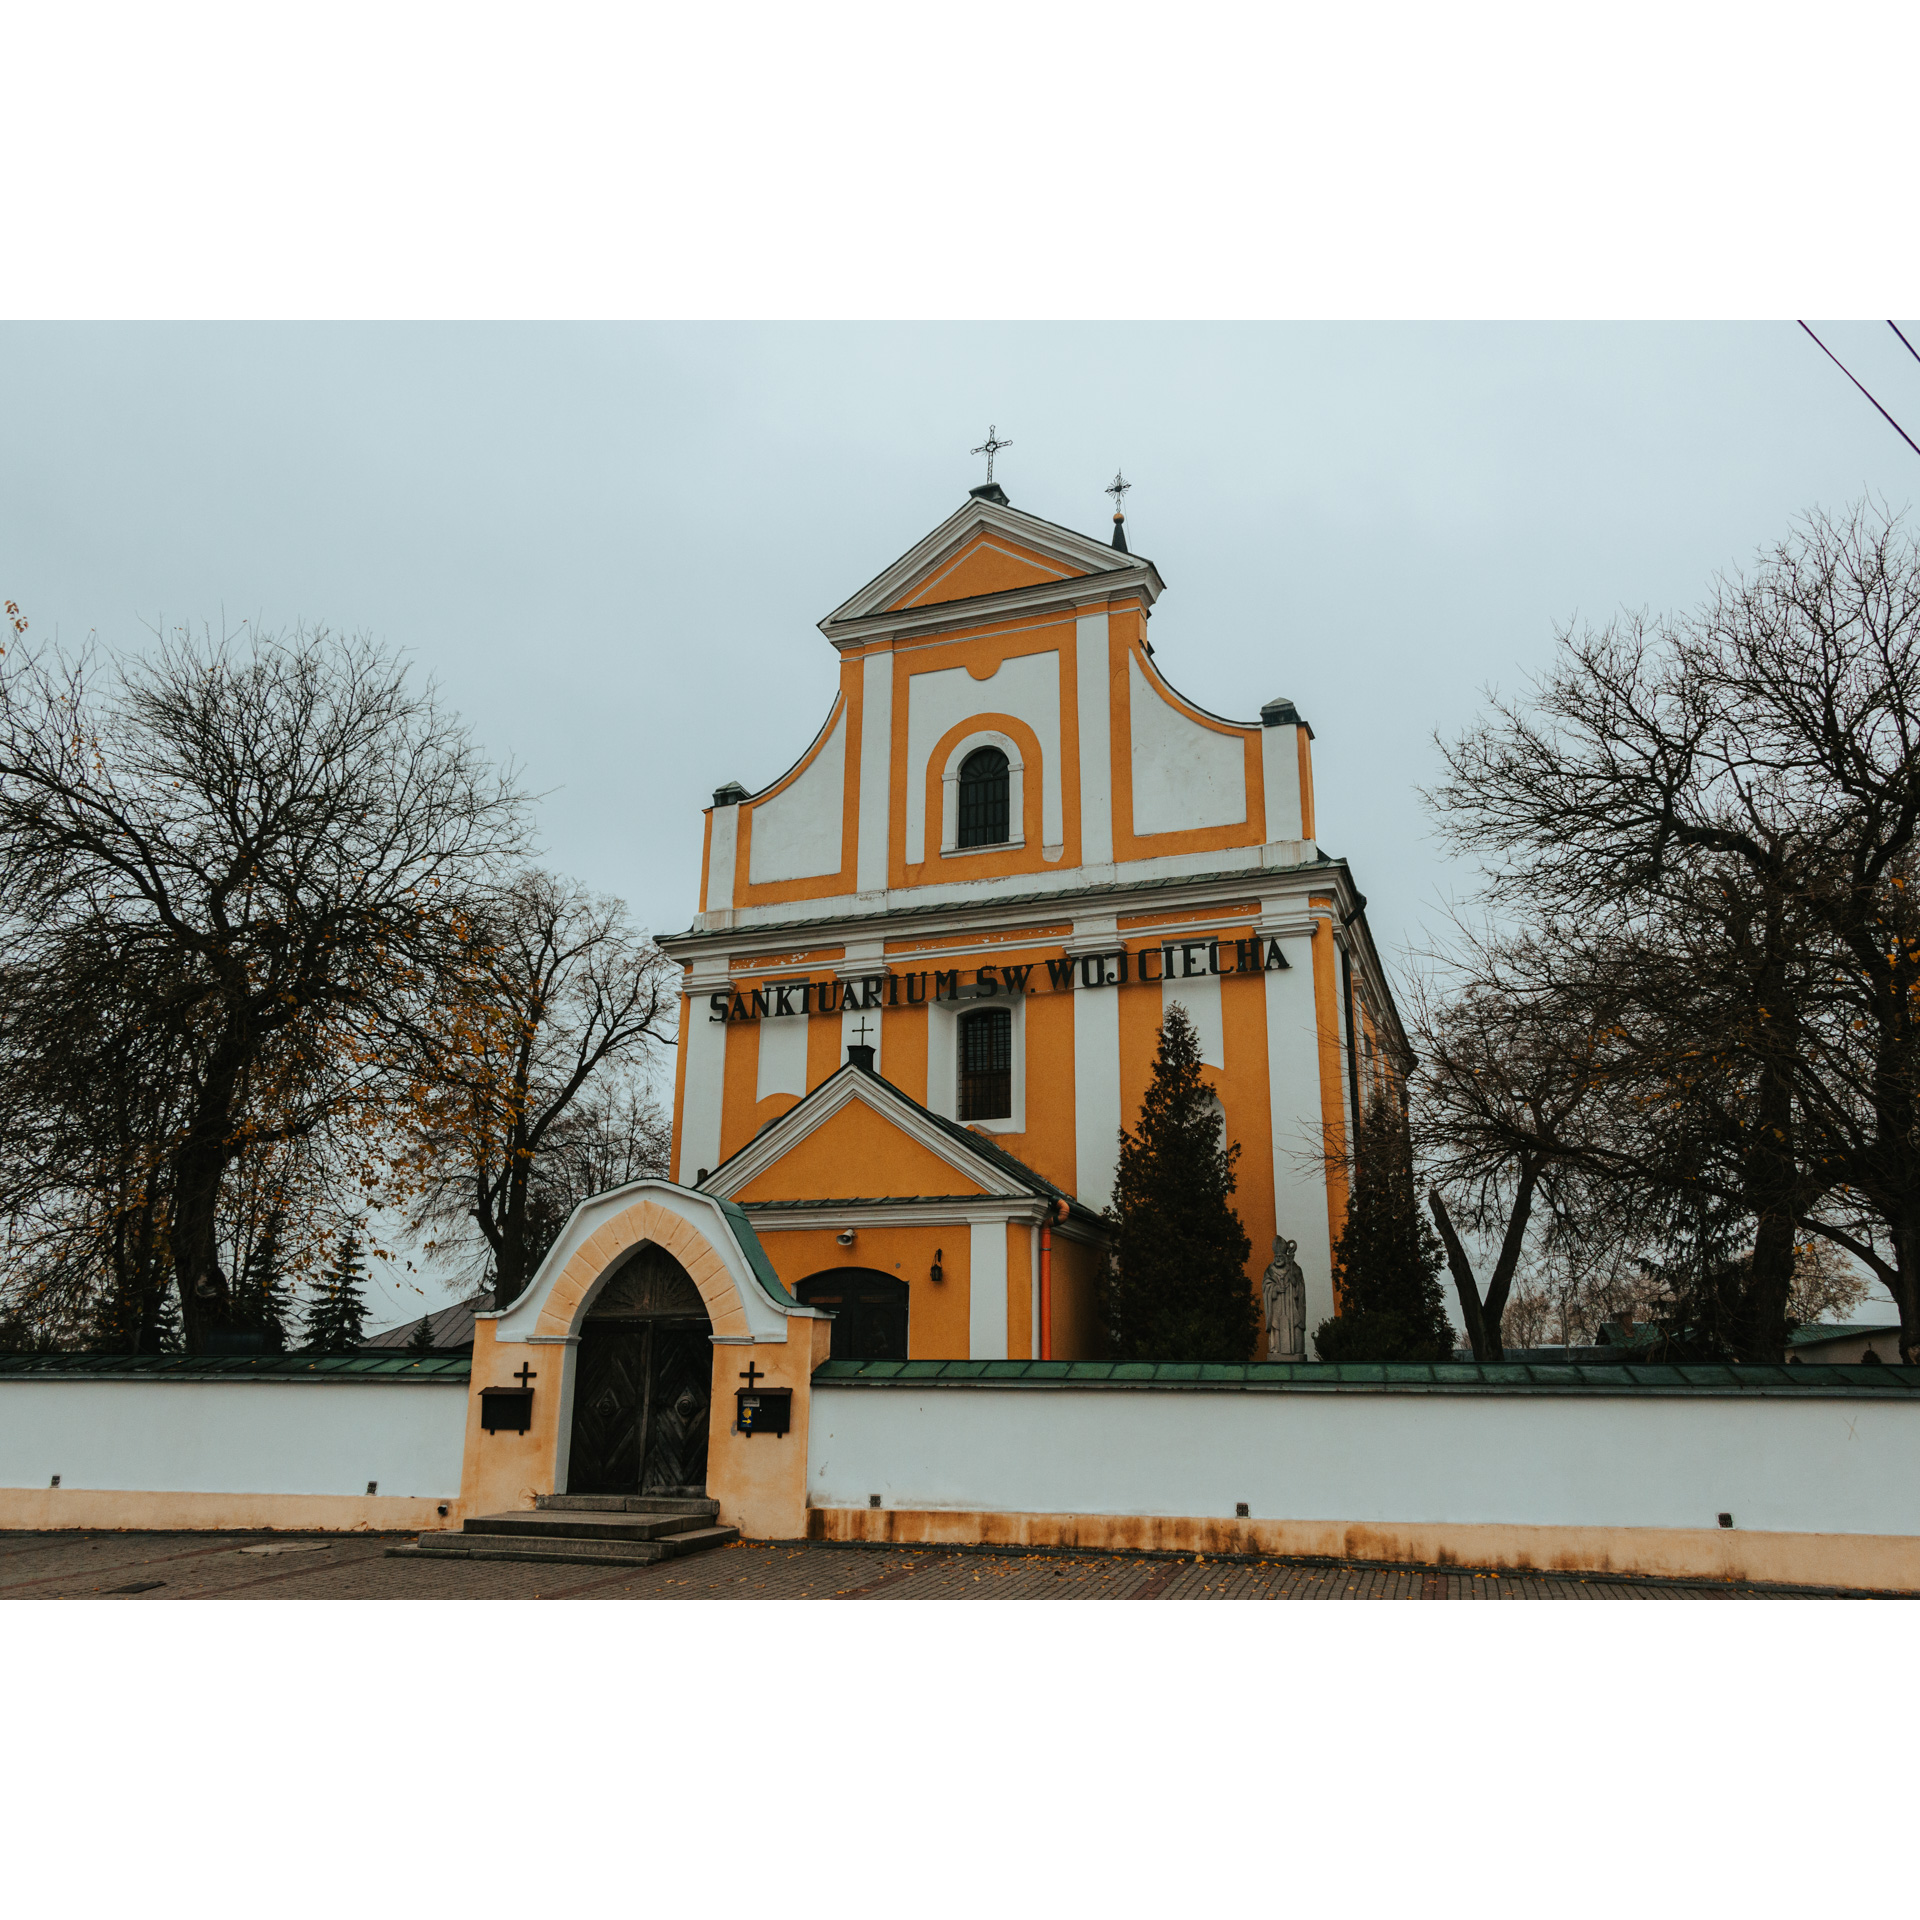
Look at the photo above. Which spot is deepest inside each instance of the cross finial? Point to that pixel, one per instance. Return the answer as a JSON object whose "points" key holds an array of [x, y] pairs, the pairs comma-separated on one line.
{"points": [[1121, 487], [860, 1032], [990, 446]]}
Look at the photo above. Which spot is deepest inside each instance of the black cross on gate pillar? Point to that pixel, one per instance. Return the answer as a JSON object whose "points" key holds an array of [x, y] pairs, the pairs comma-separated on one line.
{"points": [[526, 1374], [752, 1374]]}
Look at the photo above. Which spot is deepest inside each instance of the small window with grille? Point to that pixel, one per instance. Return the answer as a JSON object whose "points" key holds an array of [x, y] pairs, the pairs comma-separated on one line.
{"points": [[983, 798], [986, 1064]]}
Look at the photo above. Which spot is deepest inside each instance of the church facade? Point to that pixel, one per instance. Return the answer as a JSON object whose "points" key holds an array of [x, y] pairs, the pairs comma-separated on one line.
{"points": [[924, 987]]}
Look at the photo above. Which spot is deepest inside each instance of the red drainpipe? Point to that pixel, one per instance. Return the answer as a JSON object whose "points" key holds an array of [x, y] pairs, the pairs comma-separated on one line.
{"points": [[1059, 1210]]}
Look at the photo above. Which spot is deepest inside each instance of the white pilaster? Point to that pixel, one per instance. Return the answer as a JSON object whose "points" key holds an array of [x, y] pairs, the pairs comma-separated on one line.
{"points": [[1096, 1071], [1293, 1092], [876, 760], [865, 959], [987, 1290], [697, 1144], [721, 848], [1033, 1245], [1096, 741], [1280, 775]]}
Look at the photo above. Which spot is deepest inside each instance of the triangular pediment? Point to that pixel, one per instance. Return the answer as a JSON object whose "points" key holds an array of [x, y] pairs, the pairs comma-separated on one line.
{"points": [[855, 1137], [983, 549]]}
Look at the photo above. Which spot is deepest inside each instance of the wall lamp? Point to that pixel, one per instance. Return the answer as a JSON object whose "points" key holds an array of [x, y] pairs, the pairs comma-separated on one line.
{"points": [[938, 1274]]}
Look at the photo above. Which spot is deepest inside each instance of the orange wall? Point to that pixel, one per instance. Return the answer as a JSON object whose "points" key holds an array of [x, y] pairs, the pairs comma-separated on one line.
{"points": [[856, 1155], [937, 1316]]}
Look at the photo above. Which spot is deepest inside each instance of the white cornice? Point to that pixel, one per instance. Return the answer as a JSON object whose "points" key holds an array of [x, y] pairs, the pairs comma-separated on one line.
{"points": [[940, 1211], [985, 907], [986, 609], [1091, 573]]}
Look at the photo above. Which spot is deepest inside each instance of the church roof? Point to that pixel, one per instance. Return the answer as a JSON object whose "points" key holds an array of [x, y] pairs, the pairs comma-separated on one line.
{"points": [[1051, 559], [451, 1326], [999, 1172]]}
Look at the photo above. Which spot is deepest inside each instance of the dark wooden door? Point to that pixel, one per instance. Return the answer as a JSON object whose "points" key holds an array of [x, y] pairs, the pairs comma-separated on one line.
{"points": [[640, 1402], [869, 1312], [680, 1391]]}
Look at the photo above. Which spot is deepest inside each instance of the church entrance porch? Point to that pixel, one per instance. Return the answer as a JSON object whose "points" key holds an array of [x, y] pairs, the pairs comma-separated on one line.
{"points": [[643, 1388]]}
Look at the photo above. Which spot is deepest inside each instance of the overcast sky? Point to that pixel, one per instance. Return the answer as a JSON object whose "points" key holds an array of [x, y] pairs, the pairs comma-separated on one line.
{"points": [[610, 543]]}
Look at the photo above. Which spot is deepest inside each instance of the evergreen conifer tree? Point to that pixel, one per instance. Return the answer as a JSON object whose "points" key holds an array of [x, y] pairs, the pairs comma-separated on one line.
{"points": [[169, 1334], [422, 1341], [1178, 1289], [260, 1294], [1387, 1264], [337, 1313]]}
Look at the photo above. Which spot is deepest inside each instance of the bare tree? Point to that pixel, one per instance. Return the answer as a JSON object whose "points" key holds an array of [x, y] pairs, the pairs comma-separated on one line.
{"points": [[532, 1076], [1504, 1097], [275, 836], [1764, 755]]}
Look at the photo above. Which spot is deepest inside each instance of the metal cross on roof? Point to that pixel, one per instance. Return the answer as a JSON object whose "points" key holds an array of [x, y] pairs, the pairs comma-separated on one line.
{"points": [[1121, 487], [860, 1032], [990, 446]]}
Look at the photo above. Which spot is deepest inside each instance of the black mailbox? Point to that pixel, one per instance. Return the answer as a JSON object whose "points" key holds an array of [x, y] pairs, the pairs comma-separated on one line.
{"points": [[506, 1409], [763, 1410]]}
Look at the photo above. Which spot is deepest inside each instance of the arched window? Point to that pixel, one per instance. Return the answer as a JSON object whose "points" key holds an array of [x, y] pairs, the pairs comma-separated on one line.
{"points": [[983, 798], [986, 1064], [869, 1312]]}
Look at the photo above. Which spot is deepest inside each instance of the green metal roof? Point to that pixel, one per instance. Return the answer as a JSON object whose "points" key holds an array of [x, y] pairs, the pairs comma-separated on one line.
{"points": [[1796, 1382], [1838, 1330], [749, 1244], [453, 1369]]}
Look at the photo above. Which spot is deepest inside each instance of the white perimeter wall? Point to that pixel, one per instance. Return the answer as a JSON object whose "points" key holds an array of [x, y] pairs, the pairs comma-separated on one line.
{"points": [[1798, 1466], [222, 1436]]}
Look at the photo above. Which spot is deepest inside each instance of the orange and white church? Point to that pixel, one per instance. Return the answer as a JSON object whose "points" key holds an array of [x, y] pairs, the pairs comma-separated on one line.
{"points": [[924, 988]]}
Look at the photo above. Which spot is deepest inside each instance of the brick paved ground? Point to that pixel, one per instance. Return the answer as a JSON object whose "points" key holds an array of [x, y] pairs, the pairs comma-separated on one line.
{"points": [[253, 1566]]}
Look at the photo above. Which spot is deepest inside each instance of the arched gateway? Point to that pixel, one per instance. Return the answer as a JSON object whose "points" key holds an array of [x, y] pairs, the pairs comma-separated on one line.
{"points": [[615, 1371]]}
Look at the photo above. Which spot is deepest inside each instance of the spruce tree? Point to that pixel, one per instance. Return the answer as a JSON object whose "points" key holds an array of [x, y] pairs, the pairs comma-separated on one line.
{"points": [[422, 1341], [1178, 1289], [337, 1313], [1387, 1264], [260, 1294]]}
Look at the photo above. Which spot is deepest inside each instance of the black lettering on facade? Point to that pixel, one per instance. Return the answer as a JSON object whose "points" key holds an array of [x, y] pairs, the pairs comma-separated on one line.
{"points": [[782, 999], [989, 980], [1213, 956], [1246, 956], [946, 983], [737, 1009], [1146, 954], [1016, 978], [893, 989], [718, 1002], [1093, 970], [1060, 972], [757, 1007], [1276, 960], [916, 989], [872, 991], [1188, 948]]}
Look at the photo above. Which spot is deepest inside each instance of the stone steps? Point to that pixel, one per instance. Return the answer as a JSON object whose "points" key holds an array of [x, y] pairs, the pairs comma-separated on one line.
{"points": [[565, 1552], [601, 1530], [623, 1503], [584, 1526]]}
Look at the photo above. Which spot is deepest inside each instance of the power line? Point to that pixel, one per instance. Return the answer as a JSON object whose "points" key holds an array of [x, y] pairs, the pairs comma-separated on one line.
{"points": [[1875, 404], [1904, 341]]}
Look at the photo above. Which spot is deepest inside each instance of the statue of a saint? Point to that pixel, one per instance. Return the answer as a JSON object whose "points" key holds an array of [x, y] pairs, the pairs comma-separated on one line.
{"points": [[1283, 1293]]}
